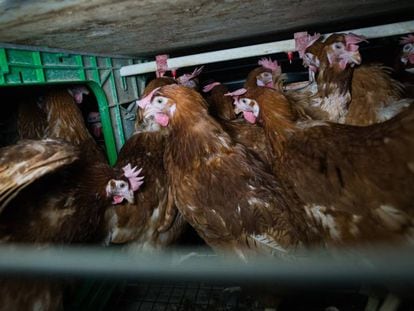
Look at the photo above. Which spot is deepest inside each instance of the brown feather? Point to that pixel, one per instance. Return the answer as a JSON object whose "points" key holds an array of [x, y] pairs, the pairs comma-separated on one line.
{"points": [[357, 181], [220, 106], [43, 295], [65, 122], [360, 95], [29, 160], [372, 89], [66, 204], [252, 137], [31, 120], [221, 189], [153, 220], [143, 221]]}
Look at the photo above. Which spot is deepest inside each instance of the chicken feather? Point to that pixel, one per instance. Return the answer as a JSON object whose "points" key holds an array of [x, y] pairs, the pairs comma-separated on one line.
{"points": [[355, 181], [220, 188]]}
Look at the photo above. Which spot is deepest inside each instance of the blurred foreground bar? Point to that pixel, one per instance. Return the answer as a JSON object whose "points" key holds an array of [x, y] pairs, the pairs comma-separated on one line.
{"points": [[374, 266]]}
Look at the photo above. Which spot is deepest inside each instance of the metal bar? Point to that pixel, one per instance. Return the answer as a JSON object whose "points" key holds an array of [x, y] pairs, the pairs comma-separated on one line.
{"points": [[4, 66], [57, 50], [94, 68], [79, 62], [386, 266], [260, 49], [114, 91], [37, 60], [106, 121]]}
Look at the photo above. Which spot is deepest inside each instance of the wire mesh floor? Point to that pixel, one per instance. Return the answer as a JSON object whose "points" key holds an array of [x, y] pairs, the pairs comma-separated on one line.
{"points": [[201, 297], [179, 297]]}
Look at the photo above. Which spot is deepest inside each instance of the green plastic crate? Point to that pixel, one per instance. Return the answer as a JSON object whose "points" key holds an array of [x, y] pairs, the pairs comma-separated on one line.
{"points": [[32, 66], [26, 66]]}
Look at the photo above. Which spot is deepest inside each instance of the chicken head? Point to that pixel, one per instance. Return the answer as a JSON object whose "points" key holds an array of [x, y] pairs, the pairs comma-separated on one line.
{"points": [[249, 107], [119, 189], [407, 54], [342, 50], [77, 93], [158, 108]]}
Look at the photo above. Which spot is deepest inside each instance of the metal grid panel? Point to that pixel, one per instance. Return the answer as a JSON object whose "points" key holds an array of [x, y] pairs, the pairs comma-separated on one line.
{"points": [[181, 297], [201, 296], [33, 66]]}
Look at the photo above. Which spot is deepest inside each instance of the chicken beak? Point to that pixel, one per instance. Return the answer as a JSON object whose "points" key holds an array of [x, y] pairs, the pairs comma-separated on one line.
{"points": [[129, 196], [236, 104], [349, 57], [408, 58], [237, 110], [262, 80], [150, 112], [355, 57]]}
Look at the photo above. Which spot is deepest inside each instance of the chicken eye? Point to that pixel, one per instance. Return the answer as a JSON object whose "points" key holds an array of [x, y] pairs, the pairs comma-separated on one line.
{"points": [[407, 47], [159, 100], [245, 101], [122, 185], [338, 46]]}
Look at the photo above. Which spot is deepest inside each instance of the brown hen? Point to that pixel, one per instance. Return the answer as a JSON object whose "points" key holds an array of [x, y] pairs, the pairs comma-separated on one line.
{"points": [[219, 187], [148, 222], [253, 137], [269, 74], [347, 94], [68, 204], [43, 202], [151, 221], [357, 182], [404, 64]]}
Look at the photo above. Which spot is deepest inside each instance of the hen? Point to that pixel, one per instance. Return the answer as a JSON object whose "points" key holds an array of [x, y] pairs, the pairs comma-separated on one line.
{"points": [[407, 53], [69, 211], [299, 94], [151, 221], [269, 74], [404, 65], [219, 187], [362, 95], [143, 222], [357, 182], [72, 209], [190, 79], [220, 106]]}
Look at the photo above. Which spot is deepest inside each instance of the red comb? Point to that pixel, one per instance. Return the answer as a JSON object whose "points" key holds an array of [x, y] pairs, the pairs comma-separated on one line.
{"points": [[269, 64], [236, 92], [303, 40], [210, 86], [408, 39], [143, 102], [189, 76], [352, 38], [133, 176]]}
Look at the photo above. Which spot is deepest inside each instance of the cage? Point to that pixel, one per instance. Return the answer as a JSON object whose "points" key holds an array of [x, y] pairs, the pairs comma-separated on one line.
{"points": [[109, 48]]}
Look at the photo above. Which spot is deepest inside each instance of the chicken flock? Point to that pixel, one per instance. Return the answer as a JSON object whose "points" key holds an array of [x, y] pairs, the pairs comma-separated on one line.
{"points": [[264, 170]]}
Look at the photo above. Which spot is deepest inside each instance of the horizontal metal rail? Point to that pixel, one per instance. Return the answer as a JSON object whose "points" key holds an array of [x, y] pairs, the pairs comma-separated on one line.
{"points": [[260, 49], [380, 266]]}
